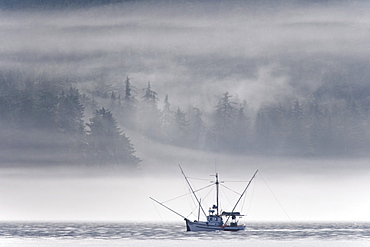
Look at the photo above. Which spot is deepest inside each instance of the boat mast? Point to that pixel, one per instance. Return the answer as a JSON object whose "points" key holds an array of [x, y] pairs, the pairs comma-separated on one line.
{"points": [[217, 184], [191, 188]]}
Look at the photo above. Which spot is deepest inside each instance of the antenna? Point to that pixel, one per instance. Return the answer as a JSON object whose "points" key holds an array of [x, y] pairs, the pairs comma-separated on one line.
{"points": [[215, 165]]}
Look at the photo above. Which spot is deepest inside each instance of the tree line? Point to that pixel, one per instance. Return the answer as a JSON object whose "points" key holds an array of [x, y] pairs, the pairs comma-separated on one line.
{"points": [[317, 125], [45, 116], [52, 115]]}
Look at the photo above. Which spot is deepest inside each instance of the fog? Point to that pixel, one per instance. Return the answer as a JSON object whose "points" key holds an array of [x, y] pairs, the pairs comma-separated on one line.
{"points": [[290, 190], [194, 51], [191, 51]]}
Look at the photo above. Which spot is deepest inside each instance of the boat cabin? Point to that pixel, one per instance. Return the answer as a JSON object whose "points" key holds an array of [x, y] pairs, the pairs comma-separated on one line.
{"points": [[214, 220]]}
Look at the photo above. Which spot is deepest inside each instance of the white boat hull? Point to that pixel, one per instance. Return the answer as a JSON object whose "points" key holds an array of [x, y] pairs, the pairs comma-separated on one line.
{"points": [[205, 226]]}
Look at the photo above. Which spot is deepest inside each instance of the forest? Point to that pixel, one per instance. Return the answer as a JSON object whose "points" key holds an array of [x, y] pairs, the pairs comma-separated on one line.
{"points": [[50, 115], [46, 116]]}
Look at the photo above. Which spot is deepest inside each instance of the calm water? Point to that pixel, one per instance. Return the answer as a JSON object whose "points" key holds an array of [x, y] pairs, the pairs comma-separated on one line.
{"points": [[161, 234]]}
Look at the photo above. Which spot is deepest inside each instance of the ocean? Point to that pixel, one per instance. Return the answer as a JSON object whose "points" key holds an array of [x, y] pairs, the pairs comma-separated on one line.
{"points": [[174, 234]]}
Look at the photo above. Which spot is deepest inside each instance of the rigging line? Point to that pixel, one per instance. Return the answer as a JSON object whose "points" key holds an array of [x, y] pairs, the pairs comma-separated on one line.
{"points": [[242, 206], [245, 181], [173, 211], [230, 189], [236, 204], [209, 192], [245, 198], [203, 201], [195, 195], [191, 199], [250, 203], [276, 198], [188, 193], [224, 195], [191, 213], [156, 209], [203, 179]]}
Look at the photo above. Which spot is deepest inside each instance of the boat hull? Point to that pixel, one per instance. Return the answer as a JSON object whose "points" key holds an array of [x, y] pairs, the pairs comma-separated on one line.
{"points": [[205, 226]]}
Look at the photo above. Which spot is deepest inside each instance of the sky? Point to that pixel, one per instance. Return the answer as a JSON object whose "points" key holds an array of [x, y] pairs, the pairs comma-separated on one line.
{"points": [[192, 51]]}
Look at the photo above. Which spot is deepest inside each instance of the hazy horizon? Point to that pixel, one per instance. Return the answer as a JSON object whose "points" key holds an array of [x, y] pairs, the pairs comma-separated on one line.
{"points": [[306, 189]]}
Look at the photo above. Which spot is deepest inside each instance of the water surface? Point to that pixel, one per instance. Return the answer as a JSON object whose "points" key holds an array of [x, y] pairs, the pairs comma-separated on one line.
{"points": [[170, 234]]}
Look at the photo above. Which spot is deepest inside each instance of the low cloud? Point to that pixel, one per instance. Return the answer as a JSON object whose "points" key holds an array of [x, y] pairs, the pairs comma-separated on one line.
{"points": [[190, 50]]}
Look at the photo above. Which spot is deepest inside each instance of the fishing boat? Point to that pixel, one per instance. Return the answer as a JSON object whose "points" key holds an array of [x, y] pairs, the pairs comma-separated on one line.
{"points": [[216, 220]]}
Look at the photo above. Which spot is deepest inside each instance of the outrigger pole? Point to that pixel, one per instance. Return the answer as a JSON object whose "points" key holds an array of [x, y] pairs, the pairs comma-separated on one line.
{"points": [[200, 205], [236, 204], [173, 211]]}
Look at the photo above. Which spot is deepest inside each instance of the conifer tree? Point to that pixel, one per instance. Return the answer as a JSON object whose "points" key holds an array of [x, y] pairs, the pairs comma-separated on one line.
{"points": [[197, 129], [297, 138], [70, 113], [225, 114], [128, 95], [224, 118], [128, 106], [46, 111], [167, 122], [262, 130], [240, 131], [148, 113], [181, 128], [319, 136], [107, 143]]}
